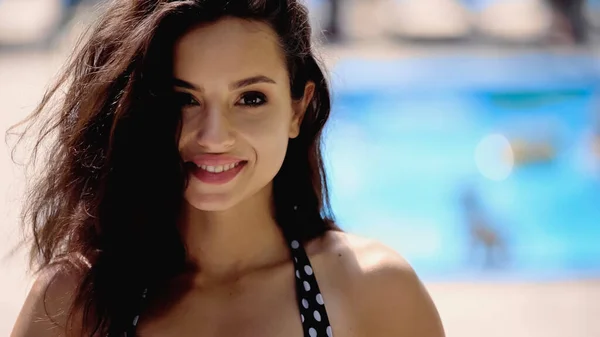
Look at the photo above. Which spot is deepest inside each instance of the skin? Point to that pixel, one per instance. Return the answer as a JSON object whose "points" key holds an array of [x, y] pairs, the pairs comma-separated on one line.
{"points": [[246, 283]]}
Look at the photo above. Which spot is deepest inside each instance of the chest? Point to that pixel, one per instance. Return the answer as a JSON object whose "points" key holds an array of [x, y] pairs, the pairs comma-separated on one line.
{"points": [[266, 308]]}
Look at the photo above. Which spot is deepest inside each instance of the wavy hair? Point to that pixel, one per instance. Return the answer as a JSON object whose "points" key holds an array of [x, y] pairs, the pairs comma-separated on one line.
{"points": [[93, 209]]}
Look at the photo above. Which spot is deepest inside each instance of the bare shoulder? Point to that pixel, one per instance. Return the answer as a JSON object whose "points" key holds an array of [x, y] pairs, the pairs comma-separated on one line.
{"points": [[389, 298], [361, 259], [45, 311]]}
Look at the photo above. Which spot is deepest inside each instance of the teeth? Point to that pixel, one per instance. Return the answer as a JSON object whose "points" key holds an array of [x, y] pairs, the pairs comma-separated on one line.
{"points": [[218, 169]]}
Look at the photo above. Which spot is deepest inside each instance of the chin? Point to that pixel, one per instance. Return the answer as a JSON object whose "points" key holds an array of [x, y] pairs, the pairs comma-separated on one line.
{"points": [[210, 202], [210, 205]]}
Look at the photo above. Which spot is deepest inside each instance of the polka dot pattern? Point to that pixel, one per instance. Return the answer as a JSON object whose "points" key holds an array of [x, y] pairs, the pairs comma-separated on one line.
{"points": [[319, 299], [313, 314], [306, 286]]}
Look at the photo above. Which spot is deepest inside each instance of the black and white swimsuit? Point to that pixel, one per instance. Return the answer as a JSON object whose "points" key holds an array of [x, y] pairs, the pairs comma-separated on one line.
{"points": [[311, 304]]}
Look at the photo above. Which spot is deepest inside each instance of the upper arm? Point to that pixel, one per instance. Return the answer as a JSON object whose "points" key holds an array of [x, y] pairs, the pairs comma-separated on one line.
{"points": [[46, 308], [395, 302]]}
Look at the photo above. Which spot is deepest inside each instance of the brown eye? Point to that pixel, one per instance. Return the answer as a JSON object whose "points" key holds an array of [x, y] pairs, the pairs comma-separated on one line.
{"points": [[184, 100], [252, 99]]}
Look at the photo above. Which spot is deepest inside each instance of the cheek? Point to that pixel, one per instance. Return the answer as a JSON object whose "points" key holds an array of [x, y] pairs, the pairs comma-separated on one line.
{"points": [[270, 153], [269, 137], [187, 131], [186, 134]]}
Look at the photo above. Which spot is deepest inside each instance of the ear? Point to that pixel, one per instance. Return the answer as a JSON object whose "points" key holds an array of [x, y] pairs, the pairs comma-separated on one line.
{"points": [[299, 108]]}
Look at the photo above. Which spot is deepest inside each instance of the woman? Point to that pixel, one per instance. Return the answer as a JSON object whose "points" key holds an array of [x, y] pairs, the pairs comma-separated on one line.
{"points": [[186, 196]]}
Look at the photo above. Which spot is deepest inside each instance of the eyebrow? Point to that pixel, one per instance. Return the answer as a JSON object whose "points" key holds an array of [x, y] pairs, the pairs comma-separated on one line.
{"points": [[235, 85]]}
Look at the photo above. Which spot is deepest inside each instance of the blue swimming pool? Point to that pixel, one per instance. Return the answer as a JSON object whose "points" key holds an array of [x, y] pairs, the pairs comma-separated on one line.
{"points": [[406, 140]]}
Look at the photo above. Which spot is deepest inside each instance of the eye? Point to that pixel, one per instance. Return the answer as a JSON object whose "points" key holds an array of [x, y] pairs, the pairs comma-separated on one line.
{"points": [[252, 99], [184, 100]]}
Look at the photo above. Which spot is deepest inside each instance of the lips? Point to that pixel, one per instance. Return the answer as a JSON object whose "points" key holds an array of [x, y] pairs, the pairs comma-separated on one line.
{"points": [[215, 169]]}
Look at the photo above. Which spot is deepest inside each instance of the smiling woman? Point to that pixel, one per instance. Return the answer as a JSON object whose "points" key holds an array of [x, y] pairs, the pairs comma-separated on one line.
{"points": [[186, 193]]}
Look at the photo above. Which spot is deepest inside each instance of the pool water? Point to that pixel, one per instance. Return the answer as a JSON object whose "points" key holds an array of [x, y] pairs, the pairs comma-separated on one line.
{"points": [[407, 139]]}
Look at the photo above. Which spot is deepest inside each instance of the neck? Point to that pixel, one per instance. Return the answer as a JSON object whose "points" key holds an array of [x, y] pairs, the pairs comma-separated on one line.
{"points": [[224, 245]]}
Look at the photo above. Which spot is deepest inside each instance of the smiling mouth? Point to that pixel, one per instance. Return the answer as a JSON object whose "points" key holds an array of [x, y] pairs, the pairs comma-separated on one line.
{"points": [[218, 168], [215, 168], [216, 174]]}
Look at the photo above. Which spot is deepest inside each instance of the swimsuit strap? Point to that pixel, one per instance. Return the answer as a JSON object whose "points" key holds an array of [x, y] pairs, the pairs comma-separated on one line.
{"points": [[313, 314]]}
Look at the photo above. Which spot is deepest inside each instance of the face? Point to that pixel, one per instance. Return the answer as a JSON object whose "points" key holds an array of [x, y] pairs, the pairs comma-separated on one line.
{"points": [[237, 113]]}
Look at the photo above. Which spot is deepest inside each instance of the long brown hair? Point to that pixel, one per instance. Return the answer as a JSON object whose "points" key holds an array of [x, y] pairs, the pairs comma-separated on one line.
{"points": [[92, 200]]}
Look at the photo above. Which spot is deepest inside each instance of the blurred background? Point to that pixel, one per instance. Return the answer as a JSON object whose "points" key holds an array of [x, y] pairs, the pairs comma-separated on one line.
{"points": [[465, 134]]}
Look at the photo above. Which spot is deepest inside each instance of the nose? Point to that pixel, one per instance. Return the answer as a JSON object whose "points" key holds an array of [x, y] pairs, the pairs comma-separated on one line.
{"points": [[215, 134]]}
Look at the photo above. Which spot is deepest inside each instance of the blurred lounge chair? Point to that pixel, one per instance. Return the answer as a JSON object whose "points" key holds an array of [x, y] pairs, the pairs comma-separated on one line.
{"points": [[347, 19], [27, 22], [363, 19], [427, 19], [519, 21]]}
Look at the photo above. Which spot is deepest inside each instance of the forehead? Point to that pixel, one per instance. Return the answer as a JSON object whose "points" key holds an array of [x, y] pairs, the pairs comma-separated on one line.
{"points": [[228, 48]]}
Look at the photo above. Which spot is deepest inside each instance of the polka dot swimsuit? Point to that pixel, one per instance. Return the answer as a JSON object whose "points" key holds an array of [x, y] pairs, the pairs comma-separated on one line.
{"points": [[311, 304]]}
